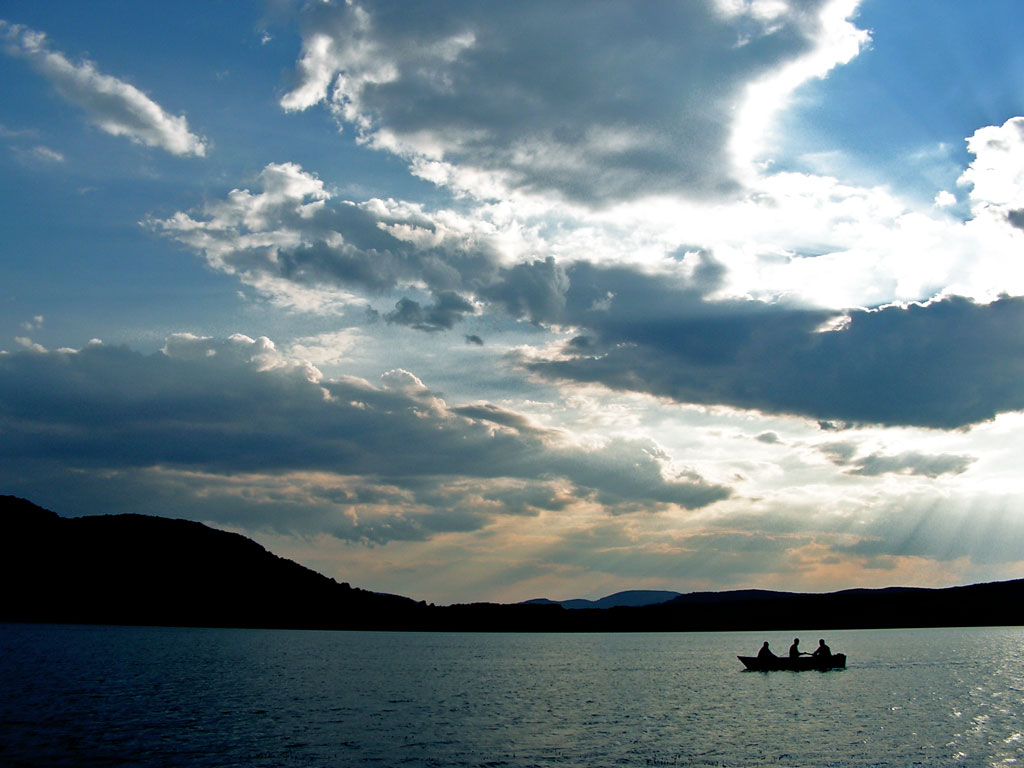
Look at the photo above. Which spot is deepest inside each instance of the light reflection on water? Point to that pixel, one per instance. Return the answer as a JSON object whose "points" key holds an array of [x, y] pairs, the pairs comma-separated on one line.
{"points": [[163, 696]]}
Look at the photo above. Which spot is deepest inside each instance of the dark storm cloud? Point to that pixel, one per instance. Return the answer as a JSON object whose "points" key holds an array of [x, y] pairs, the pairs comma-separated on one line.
{"points": [[218, 408], [946, 364], [589, 100]]}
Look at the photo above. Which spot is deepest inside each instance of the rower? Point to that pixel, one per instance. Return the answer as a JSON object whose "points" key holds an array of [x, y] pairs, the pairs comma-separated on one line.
{"points": [[822, 651]]}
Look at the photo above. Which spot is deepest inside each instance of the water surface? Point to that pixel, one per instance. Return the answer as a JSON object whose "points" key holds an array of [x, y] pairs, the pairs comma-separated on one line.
{"points": [[92, 696]]}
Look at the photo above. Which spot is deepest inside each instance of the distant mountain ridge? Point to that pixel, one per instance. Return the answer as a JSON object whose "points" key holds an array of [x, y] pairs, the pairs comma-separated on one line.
{"points": [[138, 569], [631, 597]]}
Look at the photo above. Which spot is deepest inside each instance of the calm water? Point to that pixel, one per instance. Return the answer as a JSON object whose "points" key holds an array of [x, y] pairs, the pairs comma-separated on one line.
{"points": [[89, 696]]}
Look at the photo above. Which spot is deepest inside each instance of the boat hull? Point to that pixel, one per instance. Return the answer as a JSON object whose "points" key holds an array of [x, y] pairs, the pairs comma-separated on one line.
{"points": [[799, 664]]}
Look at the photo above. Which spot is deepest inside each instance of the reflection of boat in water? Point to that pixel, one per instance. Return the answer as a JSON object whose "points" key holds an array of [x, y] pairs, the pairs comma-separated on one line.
{"points": [[799, 664]]}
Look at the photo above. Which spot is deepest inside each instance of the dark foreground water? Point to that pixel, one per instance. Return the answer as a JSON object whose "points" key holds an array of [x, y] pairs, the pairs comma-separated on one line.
{"points": [[90, 696]]}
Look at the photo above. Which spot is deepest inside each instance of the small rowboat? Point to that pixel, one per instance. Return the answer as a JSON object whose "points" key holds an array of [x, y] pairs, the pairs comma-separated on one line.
{"points": [[799, 664]]}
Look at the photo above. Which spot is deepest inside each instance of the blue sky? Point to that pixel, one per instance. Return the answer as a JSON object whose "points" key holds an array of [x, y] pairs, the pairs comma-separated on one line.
{"points": [[499, 301]]}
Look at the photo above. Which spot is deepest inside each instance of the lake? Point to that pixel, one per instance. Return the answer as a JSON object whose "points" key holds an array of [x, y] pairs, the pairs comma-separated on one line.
{"points": [[147, 696]]}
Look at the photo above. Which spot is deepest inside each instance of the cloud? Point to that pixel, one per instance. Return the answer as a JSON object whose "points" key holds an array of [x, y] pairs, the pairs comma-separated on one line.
{"points": [[448, 308], [905, 463], [943, 364], [12, 133], [840, 453], [804, 239], [912, 463], [115, 106], [535, 290], [39, 155], [996, 175], [26, 343], [665, 327], [326, 348], [584, 101], [34, 324], [294, 243], [497, 415], [223, 409]]}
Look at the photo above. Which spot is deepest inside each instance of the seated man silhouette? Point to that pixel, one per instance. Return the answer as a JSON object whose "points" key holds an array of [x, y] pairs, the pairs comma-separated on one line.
{"points": [[822, 651], [766, 652], [794, 650]]}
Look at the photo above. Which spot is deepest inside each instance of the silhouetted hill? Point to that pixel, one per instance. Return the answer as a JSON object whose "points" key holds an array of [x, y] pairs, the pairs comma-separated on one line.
{"points": [[631, 597], [135, 569], [998, 603]]}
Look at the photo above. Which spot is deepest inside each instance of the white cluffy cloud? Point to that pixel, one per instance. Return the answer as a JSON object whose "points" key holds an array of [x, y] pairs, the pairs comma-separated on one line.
{"points": [[570, 114], [115, 106], [997, 172], [293, 243], [589, 166], [799, 238]]}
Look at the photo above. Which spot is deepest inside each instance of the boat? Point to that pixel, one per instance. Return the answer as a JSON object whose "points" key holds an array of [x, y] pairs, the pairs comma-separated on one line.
{"points": [[798, 664]]}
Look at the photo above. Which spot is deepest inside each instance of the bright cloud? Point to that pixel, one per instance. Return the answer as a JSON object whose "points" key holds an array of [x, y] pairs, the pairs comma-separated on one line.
{"points": [[115, 106], [996, 175], [541, 98], [288, 242], [291, 239]]}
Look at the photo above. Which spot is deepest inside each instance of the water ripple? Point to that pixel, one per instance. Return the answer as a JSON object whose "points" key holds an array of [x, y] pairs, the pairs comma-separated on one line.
{"points": [[106, 696]]}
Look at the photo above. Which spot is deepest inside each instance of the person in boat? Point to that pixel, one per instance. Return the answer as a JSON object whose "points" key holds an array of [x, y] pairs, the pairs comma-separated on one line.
{"points": [[822, 651], [794, 649], [766, 652]]}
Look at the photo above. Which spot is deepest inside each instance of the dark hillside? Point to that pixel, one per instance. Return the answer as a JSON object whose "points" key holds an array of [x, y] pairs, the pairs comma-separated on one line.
{"points": [[135, 569]]}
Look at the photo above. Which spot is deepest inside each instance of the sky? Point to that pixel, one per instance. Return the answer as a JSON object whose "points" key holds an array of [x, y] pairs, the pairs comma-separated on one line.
{"points": [[497, 301]]}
